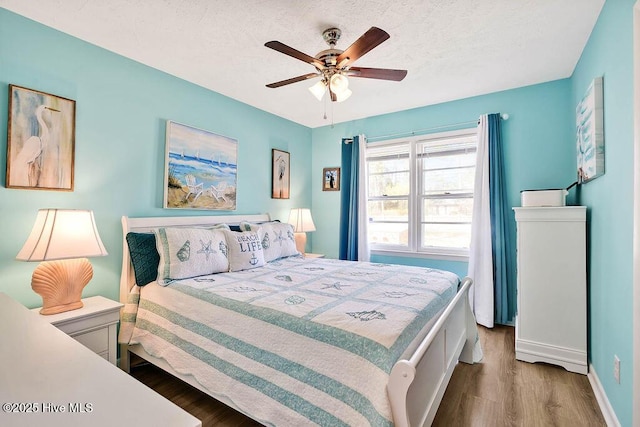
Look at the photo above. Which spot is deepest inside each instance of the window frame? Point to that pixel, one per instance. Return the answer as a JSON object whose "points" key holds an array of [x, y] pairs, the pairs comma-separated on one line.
{"points": [[415, 199]]}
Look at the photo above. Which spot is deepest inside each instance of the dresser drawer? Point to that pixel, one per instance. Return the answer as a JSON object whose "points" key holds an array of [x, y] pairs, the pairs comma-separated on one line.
{"points": [[97, 340]]}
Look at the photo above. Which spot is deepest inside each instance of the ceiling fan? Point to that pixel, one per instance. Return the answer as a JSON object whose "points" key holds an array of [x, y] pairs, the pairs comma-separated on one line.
{"points": [[334, 65]]}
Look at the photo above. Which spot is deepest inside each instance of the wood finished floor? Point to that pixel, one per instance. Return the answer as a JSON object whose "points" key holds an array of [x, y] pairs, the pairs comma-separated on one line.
{"points": [[499, 391], [502, 391]]}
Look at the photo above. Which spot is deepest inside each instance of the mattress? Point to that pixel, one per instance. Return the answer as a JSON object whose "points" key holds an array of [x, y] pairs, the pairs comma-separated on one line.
{"points": [[295, 342]]}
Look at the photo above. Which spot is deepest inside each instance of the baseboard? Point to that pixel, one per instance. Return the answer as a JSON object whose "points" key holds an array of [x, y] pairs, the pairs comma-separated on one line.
{"points": [[572, 360], [605, 407]]}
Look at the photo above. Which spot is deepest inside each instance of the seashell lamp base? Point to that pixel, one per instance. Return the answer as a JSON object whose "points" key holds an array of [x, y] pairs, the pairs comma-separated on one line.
{"points": [[60, 284]]}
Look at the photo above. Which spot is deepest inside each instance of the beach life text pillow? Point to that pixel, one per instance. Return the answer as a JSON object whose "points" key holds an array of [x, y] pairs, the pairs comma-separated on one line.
{"points": [[245, 250]]}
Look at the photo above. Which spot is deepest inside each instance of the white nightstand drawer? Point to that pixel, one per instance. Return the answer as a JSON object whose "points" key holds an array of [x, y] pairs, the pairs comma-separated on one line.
{"points": [[97, 341]]}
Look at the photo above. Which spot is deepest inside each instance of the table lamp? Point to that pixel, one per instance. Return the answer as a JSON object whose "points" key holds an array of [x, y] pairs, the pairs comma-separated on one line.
{"points": [[62, 239], [302, 222]]}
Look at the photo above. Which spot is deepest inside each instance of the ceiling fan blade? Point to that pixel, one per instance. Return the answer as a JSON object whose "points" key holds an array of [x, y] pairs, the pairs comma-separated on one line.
{"points": [[293, 80], [377, 73], [287, 50], [372, 38]]}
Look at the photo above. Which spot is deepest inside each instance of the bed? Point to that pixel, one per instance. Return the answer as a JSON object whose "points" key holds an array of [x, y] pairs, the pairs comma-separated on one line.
{"points": [[294, 341]]}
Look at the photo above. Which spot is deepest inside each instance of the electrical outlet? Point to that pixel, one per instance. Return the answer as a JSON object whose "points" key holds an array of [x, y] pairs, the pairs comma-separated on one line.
{"points": [[616, 368]]}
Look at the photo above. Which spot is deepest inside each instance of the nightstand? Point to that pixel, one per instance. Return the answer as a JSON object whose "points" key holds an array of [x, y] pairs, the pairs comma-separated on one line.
{"points": [[309, 255], [94, 325]]}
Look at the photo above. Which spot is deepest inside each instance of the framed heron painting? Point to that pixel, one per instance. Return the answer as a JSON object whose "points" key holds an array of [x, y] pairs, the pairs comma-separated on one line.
{"points": [[280, 174], [40, 140]]}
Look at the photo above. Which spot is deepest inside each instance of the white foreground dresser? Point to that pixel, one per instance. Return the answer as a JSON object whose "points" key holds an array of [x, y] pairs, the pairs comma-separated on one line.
{"points": [[49, 379], [551, 321]]}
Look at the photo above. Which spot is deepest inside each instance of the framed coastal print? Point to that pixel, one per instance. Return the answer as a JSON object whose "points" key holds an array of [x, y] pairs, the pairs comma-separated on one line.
{"points": [[590, 133], [331, 179], [40, 140], [201, 169], [280, 175]]}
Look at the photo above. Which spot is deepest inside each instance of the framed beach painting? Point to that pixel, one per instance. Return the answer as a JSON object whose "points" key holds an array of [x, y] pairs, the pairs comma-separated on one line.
{"points": [[40, 140], [590, 133], [331, 179], [281, 174], [201, 169]]}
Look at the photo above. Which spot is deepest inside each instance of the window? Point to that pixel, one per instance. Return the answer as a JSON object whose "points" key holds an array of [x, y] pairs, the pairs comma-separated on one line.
{"points": [[420, 195]]}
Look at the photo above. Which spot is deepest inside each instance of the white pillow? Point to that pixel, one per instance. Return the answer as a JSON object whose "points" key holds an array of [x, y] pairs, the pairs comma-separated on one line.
{"points": [[190, 252], [245, 250], [277, 239]]}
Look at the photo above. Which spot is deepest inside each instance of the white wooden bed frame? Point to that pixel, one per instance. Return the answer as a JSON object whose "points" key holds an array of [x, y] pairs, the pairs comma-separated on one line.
{"points": [[416, 384]]}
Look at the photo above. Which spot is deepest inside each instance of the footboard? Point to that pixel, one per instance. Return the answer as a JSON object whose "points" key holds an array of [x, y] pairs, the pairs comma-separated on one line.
{"points": [[417, 384]]}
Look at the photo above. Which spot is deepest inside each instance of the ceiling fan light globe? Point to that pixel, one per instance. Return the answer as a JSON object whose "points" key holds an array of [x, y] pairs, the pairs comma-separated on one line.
{"points": [[343, 95], [318, 90], [339, 83]]}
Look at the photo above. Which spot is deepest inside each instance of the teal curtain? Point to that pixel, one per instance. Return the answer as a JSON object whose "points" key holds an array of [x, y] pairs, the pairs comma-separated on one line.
{"points": [[503, 264], [349, 199]]}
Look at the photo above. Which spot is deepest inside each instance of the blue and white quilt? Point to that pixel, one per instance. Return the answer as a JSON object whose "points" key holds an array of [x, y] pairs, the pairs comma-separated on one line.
{"points": [[298, 341]]}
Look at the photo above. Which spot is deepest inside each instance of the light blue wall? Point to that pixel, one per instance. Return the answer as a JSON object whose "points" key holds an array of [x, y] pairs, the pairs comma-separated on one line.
{"points": [[538, 148], [609, 53], [122, 107]]}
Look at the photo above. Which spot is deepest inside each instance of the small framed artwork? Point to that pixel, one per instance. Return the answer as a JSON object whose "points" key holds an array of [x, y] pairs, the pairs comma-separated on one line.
{"points": [[281, 174], [40, 140], [331, 179], [201, 169], [590, 133]]}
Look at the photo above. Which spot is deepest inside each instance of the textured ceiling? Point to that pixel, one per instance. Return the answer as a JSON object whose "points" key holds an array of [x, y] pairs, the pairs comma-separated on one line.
{"points": [[452, 49]]}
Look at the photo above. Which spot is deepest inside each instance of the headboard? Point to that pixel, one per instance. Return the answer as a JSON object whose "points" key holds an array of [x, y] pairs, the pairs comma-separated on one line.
{"points": [[148, 224]]}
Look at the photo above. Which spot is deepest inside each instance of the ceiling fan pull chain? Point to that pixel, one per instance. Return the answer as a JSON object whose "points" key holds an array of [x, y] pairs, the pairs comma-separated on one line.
{"points": [[325, 108], [332, 116]]}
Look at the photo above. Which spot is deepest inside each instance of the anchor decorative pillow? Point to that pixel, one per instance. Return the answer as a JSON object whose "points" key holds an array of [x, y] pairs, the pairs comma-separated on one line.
{"points": [[245, 250], [190, 252]]}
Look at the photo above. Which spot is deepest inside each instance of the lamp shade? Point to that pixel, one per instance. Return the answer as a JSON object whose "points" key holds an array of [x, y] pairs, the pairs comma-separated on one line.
{"points": [[301, 220], [62, 234]]}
